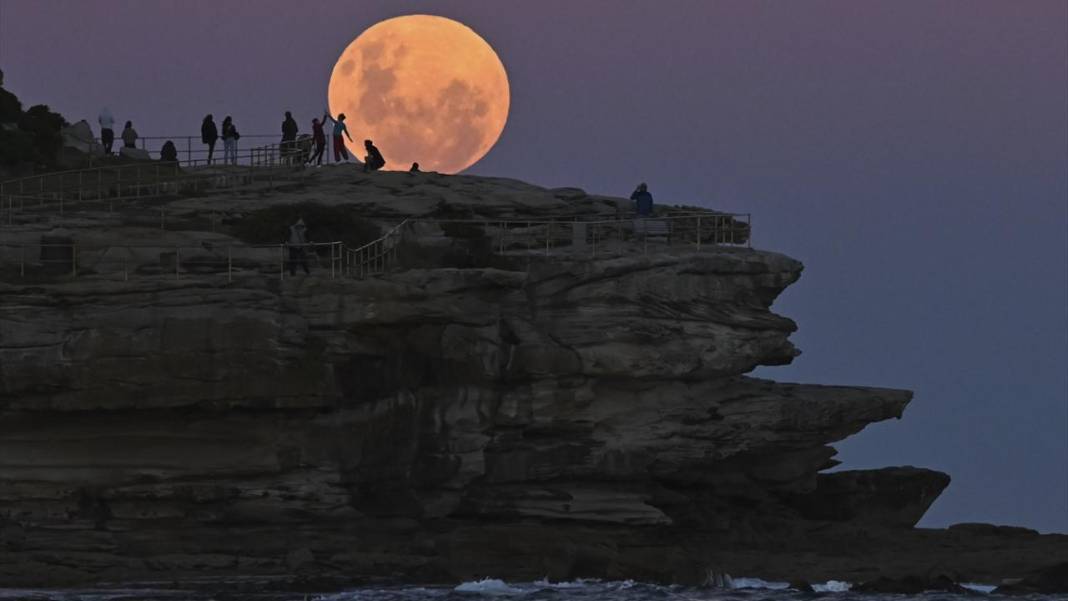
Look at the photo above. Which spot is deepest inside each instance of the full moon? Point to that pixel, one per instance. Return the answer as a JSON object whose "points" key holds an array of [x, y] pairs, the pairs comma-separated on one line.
{"points": [[425, 89]]}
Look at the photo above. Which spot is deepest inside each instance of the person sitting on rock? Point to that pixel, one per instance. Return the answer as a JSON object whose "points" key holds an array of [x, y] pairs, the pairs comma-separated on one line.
{"points": [[373, 161], [414, 169], [129, 135], [168, 154], [643, 200]]}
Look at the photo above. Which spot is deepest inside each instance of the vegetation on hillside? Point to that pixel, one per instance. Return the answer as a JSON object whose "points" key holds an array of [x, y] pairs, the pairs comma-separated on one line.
{"points": [[31, 136]]}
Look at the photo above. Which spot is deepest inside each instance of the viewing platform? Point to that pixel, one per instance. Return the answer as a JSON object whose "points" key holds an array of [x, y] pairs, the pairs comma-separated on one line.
{"points": [[221, 223]]}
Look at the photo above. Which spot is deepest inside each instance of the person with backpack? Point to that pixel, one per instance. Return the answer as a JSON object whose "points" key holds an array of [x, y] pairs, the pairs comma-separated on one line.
{"points": [[107, 131], [643, 200], [230, 138], [209, 134], [129, 135], [373, 161], [319, 137]]}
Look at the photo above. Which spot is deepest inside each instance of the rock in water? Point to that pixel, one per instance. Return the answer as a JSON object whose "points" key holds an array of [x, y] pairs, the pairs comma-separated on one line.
{"points": [[1048, 581]]}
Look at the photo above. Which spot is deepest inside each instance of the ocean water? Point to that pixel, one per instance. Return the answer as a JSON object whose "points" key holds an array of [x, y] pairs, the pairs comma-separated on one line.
{"points": [[743, 589]]}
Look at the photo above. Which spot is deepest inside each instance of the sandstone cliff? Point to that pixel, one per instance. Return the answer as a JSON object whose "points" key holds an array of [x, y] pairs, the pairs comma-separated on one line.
{"points": [[469, 413]]}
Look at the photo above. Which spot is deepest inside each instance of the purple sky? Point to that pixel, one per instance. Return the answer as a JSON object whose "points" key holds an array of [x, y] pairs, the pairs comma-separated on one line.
{"points": [[913, 154]]}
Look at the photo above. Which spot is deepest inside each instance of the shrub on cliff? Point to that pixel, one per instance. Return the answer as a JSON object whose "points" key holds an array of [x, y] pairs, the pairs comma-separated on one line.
{"points": [[325, 224], [30, 136]]}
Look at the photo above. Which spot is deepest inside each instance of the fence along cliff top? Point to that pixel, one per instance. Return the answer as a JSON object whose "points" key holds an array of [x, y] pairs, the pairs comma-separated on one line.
{"points": [[117, 186]]}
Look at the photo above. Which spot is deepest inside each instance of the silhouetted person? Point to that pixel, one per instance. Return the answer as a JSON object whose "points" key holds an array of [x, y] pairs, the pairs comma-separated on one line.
{"points": [[230, 138], [107, 129], [414, 169], [168, 154], [319, 137], [643, 200], [208, 135], [339, 144], [297, 243], [373, 161], [289, 133], [129, 135]]}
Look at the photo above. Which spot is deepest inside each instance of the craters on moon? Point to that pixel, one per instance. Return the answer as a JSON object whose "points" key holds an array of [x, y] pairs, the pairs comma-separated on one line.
{"points": [[425, 89]]}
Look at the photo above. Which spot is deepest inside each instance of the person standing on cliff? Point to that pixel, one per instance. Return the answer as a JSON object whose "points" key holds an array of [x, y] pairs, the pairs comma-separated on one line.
{"points": [[319, 137], [643, 200], [339, 144], [230, 138], [209, 134], [298, 244], [289, 134], [107, 131]]}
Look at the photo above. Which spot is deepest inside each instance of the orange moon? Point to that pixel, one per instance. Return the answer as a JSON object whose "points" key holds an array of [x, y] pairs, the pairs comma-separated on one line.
{"points": [[426, 89]]}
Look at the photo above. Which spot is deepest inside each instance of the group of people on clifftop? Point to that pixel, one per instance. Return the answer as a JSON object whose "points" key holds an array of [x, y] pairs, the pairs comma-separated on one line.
{"points": [[107, 132], [210, 134], [373, 160]]}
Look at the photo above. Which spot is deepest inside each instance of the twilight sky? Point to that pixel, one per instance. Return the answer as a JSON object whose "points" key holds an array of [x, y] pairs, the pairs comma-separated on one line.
{"points": [[913, 154]]}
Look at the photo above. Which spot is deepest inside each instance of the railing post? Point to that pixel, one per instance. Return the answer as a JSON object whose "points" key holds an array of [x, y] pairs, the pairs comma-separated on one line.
{"points": [[698, 232], [548, 230], [749, 238]]}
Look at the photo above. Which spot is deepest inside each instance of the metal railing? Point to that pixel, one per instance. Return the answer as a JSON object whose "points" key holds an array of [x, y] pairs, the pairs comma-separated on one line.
{"points": [[110, 185], [191, 150], [375, 257], [161, 261], [573, 239], [598, 237]]}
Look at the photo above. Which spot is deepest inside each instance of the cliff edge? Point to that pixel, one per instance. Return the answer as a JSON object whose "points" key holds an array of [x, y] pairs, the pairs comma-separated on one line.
{"points": [[498, 400]]}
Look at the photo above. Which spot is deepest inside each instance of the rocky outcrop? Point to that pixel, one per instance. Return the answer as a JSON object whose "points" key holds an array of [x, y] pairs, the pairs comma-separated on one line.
{"points": [[512, 416]]}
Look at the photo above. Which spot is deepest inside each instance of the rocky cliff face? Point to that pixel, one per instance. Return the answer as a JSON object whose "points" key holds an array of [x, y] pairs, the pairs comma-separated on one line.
{"points": [[564, 416]]}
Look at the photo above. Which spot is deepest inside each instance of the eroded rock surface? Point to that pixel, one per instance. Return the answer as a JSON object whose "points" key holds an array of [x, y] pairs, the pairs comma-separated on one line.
{"points": [[558, 417]]}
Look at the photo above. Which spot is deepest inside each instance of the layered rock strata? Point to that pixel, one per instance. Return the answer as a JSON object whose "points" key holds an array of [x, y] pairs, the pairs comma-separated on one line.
{"points": [[561, 416]]}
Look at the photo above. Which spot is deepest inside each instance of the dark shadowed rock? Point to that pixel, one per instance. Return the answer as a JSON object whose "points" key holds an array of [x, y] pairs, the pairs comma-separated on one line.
{"points": [[891, 496], [470, 413], [1050, 580], [911, 585]]}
